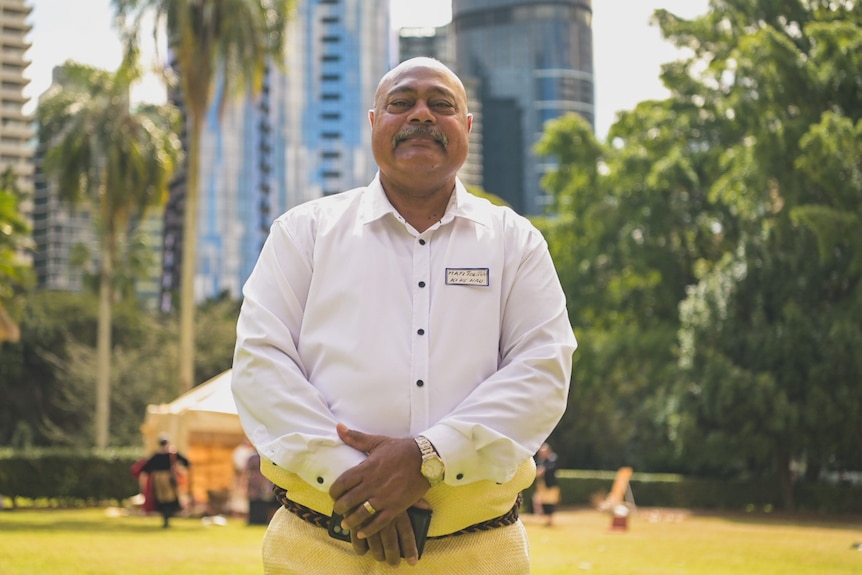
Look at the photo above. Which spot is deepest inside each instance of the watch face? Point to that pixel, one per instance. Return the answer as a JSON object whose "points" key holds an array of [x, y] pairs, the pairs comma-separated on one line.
{"points": [[432, 468]]}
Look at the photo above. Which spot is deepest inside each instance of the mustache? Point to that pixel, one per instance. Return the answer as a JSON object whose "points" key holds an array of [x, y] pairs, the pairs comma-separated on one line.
{"points": [[413, 131]]}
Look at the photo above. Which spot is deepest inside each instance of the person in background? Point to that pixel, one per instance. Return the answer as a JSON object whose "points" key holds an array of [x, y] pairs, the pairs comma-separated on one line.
{"points": [[145, 484], [163, 469], [402, 346], [239, 491], [547, 486], [261, 500]]}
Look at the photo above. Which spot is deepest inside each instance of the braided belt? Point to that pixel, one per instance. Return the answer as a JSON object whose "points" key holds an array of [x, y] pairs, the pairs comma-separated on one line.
{"points": [[320, 520]]}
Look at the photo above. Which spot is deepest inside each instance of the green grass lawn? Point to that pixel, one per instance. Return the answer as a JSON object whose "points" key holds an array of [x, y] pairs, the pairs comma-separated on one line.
{"points": [[101, 542]]}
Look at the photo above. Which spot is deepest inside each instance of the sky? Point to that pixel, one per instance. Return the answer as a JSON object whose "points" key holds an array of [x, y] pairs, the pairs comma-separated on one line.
{"points": [[628, 51]]}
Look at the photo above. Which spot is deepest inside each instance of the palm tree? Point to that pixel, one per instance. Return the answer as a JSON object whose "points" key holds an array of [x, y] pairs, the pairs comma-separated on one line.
{"points": [[214, 43], [121, 162], [15, 274]]}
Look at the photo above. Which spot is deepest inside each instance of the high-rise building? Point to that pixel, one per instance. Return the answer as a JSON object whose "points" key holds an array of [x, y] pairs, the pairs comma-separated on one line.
{"points": [[338, 51], [65, 236], [305, 135], [437, 43], [16, 148], [533, 60]]}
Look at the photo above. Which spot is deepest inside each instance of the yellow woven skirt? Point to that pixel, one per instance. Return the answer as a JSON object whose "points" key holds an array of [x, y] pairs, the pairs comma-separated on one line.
{"points": [[293, 547]]}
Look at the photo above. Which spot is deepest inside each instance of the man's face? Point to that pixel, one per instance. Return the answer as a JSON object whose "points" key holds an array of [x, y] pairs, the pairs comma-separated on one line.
{"points": [[420, 125]]}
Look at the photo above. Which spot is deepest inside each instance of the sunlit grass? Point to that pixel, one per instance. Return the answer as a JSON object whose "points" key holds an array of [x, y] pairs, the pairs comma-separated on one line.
{"points": [[672, 542], [102, 542]]}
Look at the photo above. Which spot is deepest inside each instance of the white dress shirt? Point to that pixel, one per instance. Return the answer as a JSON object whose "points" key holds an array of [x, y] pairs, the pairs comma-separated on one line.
{"points": [[459, 333]]}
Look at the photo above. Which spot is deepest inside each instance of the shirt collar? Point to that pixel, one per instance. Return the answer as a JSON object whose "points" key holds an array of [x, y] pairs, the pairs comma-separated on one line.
{"points": [[462, 204]]}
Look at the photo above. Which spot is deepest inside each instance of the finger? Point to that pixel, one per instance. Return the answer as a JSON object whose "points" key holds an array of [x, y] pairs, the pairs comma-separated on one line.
{"points": [[359, 515], [359, 545], [341, 486], [406, 539], [373, 524], [353, 438], [344, 483], [391, 547], [376, 546]]}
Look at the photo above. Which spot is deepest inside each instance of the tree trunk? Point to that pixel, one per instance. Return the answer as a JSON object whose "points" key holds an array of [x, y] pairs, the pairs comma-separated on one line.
{"points": [[189, 261], [103, 336], [785, 478]]}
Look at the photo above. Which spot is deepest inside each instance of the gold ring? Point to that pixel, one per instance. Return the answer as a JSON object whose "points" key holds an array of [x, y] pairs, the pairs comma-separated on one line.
{"points": [[369, 508]]}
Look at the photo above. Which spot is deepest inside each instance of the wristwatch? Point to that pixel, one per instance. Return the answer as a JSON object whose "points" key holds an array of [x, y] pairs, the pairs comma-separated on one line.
{"points": [[433, 469]]}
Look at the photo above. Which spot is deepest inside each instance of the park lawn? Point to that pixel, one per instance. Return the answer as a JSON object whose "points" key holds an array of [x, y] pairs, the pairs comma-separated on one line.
{"points": [[674, 542], [104, 542]]}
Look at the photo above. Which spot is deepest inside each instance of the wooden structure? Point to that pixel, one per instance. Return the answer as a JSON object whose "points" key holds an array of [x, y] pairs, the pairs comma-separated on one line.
{"points": [[203, 425]]}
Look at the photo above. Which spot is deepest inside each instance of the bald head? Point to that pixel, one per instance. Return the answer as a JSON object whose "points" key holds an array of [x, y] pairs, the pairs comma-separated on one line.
{"points": [[420, 128], [414, 63]]}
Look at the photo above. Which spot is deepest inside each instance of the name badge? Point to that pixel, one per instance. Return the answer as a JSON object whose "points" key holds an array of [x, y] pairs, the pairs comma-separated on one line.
{"points": [[467, 276]]}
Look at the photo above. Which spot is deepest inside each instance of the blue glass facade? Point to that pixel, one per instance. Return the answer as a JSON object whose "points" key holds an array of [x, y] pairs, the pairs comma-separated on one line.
{"points": [[341, 49], [533, 60], [304, 135]]}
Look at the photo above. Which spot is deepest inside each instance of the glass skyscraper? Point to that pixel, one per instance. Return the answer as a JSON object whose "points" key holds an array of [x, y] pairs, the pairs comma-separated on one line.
{"points": [[533, 61], [305, 135]]}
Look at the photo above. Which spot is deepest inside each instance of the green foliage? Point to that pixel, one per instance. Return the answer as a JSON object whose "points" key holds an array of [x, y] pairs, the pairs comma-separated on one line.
{"points": [[216, 337], [766, 333], [650, 490], [15, 275], [710, 253], [46, 379], [117, 160], [68, 477]]}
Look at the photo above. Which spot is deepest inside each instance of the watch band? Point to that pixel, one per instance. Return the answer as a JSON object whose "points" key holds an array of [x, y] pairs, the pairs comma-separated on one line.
{"points": [[425, 446]]}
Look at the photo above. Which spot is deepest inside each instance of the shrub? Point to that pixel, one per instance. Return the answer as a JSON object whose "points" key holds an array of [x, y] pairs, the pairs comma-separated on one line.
{"points": [[68, 477], [583, 488]]}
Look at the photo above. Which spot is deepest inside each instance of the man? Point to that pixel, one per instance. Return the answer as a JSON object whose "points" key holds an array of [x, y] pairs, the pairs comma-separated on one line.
{"points": [[547, 495], [403, 345]]}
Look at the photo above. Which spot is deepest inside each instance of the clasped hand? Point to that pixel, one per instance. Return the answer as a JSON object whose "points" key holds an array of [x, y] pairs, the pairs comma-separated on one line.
{"points": [[390, 481]]}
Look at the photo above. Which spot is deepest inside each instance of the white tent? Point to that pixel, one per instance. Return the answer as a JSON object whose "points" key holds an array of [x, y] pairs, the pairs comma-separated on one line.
{"points": [[203, 425]]}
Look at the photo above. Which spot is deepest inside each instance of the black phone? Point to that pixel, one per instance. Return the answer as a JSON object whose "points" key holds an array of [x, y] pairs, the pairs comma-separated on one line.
{"points": [[420, 520], [336, 531]]}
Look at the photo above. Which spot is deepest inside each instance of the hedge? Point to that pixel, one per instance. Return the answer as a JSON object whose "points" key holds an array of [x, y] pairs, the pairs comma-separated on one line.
{"points": [[68, 477], [584, 488]]}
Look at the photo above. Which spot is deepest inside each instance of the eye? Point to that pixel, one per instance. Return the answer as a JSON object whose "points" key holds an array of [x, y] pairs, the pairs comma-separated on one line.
{"points": [[443, 106]]}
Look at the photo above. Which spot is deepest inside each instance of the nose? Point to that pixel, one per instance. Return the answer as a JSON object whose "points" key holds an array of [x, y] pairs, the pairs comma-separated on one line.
{"points": [[421, 113]]}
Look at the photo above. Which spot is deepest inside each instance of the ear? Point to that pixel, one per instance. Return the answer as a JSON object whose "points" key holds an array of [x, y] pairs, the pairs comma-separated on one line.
{"points": [[469, 123], [371, 117]]}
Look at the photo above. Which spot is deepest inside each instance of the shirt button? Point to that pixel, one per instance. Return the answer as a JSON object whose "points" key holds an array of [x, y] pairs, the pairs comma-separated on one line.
{"points": [[420, 331], [419, 383], [459, 476], [421, 284], [320, 480], [421, 242]]}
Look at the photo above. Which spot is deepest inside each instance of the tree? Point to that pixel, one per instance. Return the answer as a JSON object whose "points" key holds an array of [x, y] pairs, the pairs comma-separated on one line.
{"points": [[224, 42], [120, 161], [46, 379], [632, 221], [710, 255], [770, 378], [38, 409]]}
